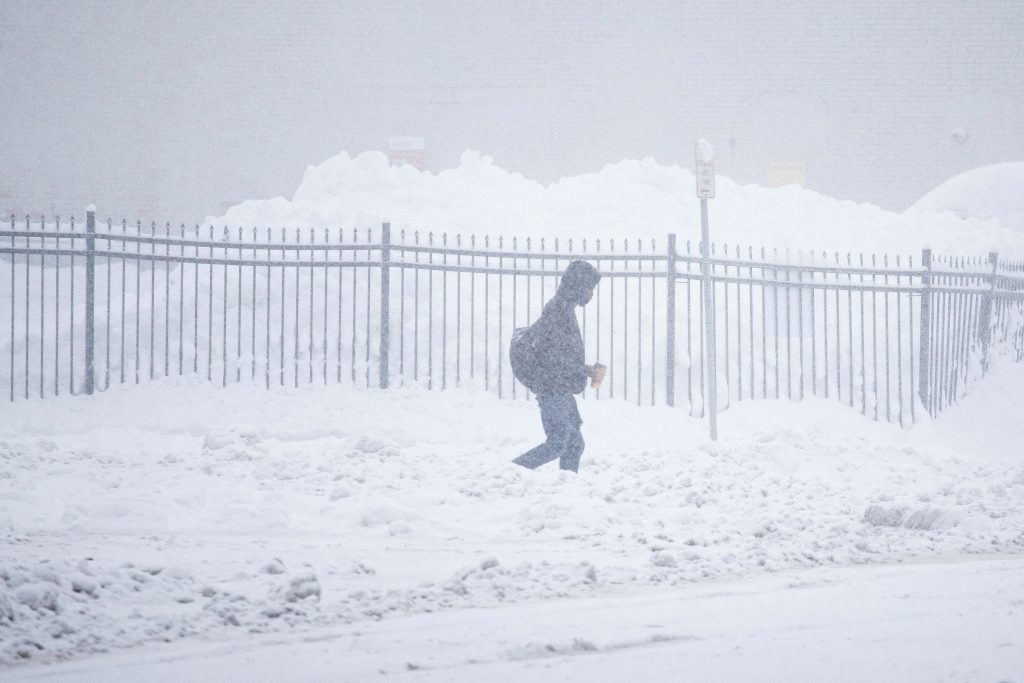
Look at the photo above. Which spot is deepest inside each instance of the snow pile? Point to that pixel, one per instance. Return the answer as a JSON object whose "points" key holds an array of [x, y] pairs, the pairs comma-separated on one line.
{"points": [[627, 199], [993, 192], [178, 509]]}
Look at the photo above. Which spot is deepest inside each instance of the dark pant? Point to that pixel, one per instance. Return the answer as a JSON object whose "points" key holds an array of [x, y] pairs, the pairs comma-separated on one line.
{"points": [[561, 420]]}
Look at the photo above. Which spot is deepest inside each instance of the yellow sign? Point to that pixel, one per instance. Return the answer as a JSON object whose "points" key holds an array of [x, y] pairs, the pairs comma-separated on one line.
{"points": [[787, 173]]}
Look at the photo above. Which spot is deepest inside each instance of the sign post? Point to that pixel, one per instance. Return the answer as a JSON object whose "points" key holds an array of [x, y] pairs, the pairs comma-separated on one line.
{"points": [[705, 155]]}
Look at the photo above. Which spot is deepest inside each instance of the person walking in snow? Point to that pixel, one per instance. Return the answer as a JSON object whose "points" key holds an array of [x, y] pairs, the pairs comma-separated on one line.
{"points": [[548, 358]]}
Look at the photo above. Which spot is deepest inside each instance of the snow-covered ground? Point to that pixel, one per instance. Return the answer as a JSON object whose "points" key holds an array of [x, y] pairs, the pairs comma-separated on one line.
{"points": [[181, 511]]}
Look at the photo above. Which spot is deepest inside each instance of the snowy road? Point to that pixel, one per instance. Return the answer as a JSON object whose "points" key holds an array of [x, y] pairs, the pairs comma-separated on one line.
{"points": [[961, 621]]}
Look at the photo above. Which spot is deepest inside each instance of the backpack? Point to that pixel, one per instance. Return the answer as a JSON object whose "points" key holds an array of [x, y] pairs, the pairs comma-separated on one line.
{"points": [[522, 354]]}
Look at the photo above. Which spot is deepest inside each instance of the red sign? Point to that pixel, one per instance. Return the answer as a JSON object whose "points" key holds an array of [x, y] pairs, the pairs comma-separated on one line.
{"points": [[412, 151]]}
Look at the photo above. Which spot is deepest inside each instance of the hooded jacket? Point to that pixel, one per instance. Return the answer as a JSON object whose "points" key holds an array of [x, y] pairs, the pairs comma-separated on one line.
{"points": [[558, 342]]}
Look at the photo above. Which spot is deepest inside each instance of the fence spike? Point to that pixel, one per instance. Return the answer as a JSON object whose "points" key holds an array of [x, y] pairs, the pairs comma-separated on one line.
{"points": [[472, 241], [458, 239], [501, 242], [515, 243], [556, 244], [570, 244], [487, 241]]}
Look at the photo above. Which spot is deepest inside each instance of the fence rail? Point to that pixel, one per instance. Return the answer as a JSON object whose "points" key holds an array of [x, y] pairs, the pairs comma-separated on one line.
{"points": [[886, 335]]}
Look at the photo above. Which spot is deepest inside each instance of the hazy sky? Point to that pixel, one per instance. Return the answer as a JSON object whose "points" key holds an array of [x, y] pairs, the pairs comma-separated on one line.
{"points": [[176, 109]]}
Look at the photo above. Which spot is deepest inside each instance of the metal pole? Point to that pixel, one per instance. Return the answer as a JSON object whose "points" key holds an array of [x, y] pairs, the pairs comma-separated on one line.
{"points": [[14, 263], [709, 321], [90, 298], [670, 323], [985, 319], [385, 301], [924, 341]]}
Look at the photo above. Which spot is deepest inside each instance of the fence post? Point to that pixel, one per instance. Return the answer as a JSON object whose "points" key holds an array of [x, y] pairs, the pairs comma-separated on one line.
{"points": [[90, 299], [924, 339], [385, 301], [670, 323], [985, 319]]}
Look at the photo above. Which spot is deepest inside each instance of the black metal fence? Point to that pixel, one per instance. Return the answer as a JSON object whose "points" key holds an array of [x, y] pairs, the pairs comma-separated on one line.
{"points": [[123, 303]]}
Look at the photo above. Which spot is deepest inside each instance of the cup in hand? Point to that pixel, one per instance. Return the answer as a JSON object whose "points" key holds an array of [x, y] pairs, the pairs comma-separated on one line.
{"points": [[597, 375]]}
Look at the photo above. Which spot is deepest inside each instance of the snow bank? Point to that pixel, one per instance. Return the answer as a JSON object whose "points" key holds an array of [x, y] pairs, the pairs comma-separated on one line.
{"points": [[990, 193], [627, 199], [178, 509]]}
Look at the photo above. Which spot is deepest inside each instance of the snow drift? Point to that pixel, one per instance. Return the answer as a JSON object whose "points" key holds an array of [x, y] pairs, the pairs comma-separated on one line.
{"points": [[990, 193], [632, 198]]}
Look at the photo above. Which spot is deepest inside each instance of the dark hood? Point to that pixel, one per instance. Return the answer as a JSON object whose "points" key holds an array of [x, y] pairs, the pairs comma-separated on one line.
{"points": [[577, 281]]}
